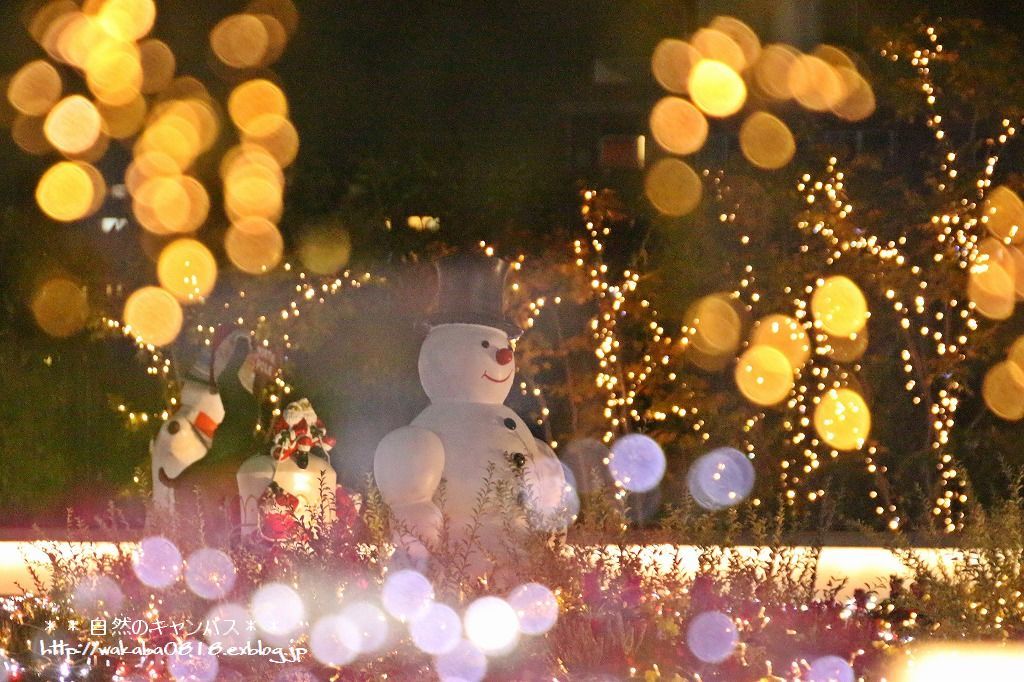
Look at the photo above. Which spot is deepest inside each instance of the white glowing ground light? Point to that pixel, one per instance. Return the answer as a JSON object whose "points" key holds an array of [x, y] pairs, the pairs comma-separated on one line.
{"points": [[210, 573], [97, 595], [277, 609], [464, 663], [438, 630], [190, 663], [406, 595], [492, 625], [227, 624], [331, 640], [637, 463], [536, 608], [157, 562], [831, 669], [712, 636], [371, 626]]}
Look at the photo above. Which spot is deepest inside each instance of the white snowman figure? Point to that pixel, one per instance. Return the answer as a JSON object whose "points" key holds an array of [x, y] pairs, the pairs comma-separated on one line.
{"points": [[466, 435], [188, 433]]}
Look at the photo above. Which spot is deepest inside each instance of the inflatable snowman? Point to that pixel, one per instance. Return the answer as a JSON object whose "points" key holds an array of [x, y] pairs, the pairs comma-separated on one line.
{"points": [[466, 440], [188, 434]]}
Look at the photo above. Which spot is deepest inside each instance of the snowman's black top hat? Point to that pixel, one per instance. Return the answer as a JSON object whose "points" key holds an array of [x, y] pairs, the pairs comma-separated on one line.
{"points": [[471, 290]]}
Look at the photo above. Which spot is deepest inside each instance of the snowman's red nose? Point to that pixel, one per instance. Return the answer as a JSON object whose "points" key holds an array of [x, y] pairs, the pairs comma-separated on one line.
{"points": [[503, 356]]}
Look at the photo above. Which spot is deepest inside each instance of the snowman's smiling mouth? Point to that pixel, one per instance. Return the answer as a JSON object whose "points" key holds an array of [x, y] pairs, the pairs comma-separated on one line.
{"points": [[487, 376]]}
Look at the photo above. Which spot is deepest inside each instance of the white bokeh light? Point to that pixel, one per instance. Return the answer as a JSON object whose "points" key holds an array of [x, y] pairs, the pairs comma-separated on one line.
{"points": [[96, 595], [227, 625], [277, 609], [438, 630], [210, 573], [157, 562], [712, 636], [464, 663], [407, 594], [830, 669], [371, 626], [331, 640], [637, 463], [721, 478], [187, 664], [492, 625], [535, 606]]}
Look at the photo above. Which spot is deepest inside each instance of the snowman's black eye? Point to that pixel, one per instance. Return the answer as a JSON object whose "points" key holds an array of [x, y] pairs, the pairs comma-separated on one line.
{"points": [[485, 344]]}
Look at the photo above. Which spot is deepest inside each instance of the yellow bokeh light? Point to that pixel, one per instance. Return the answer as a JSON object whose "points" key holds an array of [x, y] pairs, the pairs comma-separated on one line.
{"points": [[158, 65], [113, 73], [992, 282], [678, 126], [842, 419], [70, 190], [1003, 390], [742, 35], [839, 306], [673, 187], [816, 84], [255, 98], [35, 88], [771, 72], [283, 10], [1017, 256], [153, 315], [60, 307], [174, 136], [124, 121], [254, 245], [162, 205], [240, 41], [277, 38], [80, 37], [859, 100], [716, 88], [241, 156], [849, 349], [716, 45], [187, 269], [127, 20], [252, 190], [764, 375], [325, 248], [716, 325], [275, 134], [671, 63], [786, 335], [27, 133], [1016, 352], [835, 56], [44, 18], [1003, 213], [766, 141], [73, 125]]}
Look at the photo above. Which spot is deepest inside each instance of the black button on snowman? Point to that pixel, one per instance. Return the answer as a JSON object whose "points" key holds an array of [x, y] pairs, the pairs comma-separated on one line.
{"points": [[467, 368]]}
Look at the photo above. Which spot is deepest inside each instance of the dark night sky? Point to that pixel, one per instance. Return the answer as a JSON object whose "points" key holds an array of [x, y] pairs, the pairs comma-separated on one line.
{"points": [[465, 81]]}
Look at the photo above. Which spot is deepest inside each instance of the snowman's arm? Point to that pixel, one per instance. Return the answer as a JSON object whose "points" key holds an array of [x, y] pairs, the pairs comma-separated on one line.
{"points": [[407, 467], [548, 478]]}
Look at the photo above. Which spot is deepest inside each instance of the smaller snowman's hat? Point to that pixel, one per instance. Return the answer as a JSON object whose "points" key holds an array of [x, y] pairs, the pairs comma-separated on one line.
{"points": [[214, 357], [471, 290]]}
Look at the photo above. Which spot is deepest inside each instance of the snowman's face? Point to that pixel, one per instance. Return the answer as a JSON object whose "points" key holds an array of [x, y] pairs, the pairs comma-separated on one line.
{"points": [[467, 363]]}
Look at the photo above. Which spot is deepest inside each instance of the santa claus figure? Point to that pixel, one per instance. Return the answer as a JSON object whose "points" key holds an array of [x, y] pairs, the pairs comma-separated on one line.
{"points": [[467, 441]]}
